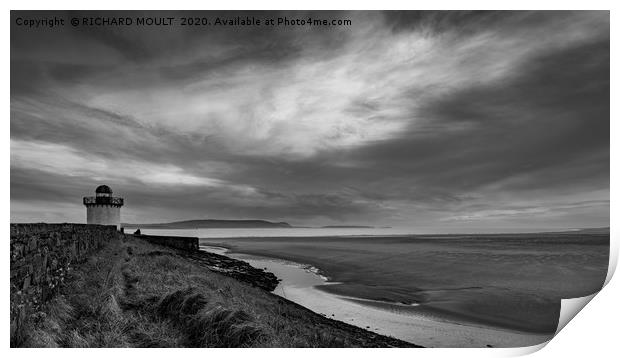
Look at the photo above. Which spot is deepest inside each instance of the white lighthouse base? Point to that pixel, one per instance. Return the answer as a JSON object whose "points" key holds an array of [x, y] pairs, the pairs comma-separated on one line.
{"points": [[103, 215]]}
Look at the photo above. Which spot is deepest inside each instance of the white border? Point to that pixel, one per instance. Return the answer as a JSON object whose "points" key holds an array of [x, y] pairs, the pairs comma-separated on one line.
{"points": [[591, 333]]}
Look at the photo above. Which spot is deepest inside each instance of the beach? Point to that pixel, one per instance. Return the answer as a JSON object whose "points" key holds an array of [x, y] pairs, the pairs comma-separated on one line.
{"points": [[498, 290], [301, 284]]}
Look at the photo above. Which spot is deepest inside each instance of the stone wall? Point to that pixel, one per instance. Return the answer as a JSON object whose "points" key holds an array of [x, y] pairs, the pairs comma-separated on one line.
{"points": [[41, 255], [178, 242]]}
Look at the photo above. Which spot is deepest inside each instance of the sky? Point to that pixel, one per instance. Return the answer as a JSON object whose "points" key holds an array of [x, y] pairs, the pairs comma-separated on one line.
{"points": [[430, 121]]}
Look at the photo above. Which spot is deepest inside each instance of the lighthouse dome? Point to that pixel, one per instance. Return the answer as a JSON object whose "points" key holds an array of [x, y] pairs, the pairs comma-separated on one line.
{"points": [[103, 189]]}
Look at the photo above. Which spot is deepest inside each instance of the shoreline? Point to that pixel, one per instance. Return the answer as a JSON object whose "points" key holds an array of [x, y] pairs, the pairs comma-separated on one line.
{"points": [[385, 317], [506, 283], [206, 258], [369, 302]]}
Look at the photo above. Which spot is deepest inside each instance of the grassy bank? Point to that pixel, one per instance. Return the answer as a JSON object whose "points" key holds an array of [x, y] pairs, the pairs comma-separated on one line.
{"points": [[135, 294]]}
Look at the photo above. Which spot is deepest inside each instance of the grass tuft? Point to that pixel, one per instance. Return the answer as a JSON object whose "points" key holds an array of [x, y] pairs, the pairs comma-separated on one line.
{"points": [[214, 327], [185, 302], [60, 309], [221, 327]]}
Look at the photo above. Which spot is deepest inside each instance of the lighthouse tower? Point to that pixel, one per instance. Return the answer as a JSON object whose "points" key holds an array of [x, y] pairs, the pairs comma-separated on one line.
{"points": [[103, 208]]}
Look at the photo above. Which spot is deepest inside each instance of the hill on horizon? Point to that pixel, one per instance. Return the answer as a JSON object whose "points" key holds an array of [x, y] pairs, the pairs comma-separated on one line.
{"points": [[211, 223]]}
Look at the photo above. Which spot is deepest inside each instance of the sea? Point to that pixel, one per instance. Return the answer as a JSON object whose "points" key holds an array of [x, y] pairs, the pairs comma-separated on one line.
{"points": [[431, 290]]}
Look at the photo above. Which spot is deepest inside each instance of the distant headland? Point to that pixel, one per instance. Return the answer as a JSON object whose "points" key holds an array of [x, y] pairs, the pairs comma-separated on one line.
{"points": [[348, 227], [211, 223]]}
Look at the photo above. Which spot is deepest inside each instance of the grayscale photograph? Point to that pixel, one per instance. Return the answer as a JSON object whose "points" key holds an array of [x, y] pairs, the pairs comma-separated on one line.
{"points": [[305, 179]]}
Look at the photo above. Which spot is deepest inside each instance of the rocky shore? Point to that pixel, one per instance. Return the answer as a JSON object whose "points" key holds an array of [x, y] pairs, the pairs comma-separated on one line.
{"points": [[239, 270], [187, 247]]}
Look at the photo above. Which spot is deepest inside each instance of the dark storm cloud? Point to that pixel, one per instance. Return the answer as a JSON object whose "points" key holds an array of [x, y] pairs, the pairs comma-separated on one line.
{"points": [[404, 118], [554, 114]]}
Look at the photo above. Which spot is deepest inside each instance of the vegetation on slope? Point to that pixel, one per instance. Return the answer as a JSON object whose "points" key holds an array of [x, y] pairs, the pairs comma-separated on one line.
{"points": [[135, 294]]}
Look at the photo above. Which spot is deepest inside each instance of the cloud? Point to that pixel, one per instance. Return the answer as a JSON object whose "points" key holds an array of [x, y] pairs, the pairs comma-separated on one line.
{"points": [[403, 118], [55, 158], [528, 211]]}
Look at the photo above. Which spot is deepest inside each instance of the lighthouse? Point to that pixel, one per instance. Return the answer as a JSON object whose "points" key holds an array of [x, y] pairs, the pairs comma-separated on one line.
{"points": [[103, 208]]}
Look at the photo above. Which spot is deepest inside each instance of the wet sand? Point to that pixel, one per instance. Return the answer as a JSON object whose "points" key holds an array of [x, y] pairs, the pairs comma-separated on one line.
{"points": [[507, 286]]}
